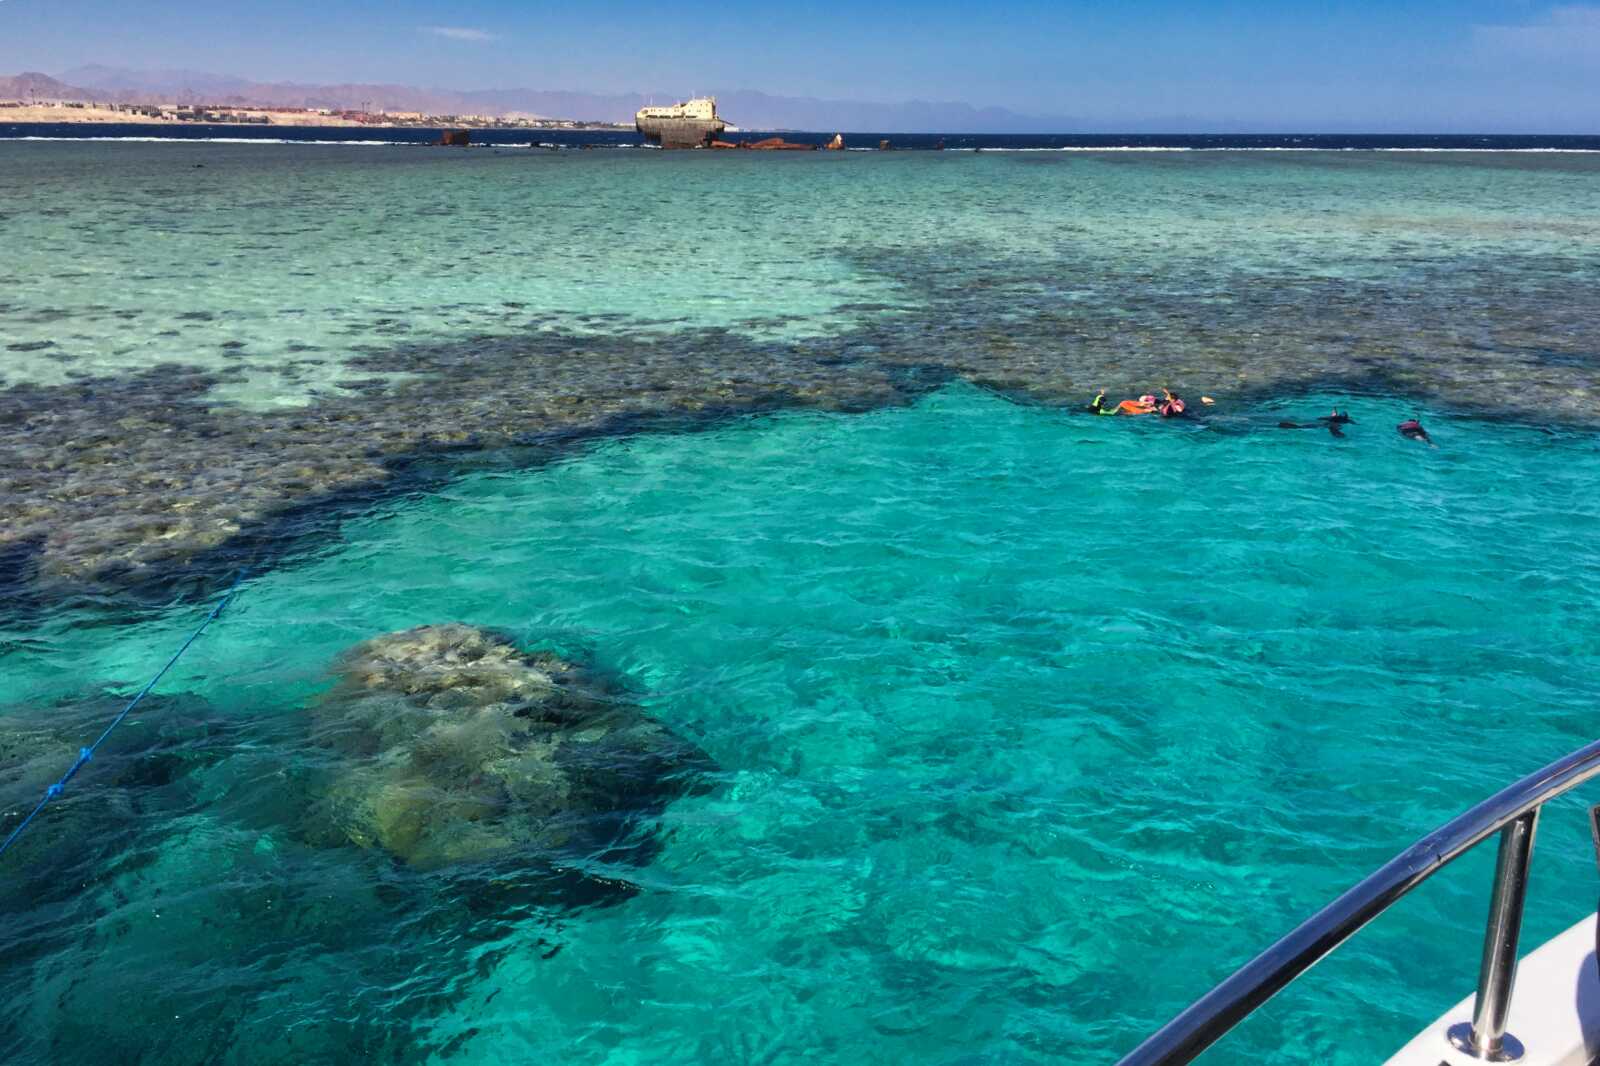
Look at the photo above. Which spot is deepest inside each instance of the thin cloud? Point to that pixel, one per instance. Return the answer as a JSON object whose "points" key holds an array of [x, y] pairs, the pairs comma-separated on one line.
{"points": [[459, 33], [1571, 31]]}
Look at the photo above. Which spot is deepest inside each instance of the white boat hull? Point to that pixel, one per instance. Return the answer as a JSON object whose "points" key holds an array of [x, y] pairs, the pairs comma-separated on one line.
{"points": [[1555, 1010]]}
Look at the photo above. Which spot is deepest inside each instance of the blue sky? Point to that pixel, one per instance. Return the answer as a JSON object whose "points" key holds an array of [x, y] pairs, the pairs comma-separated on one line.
{"points": [[1502, 64]]}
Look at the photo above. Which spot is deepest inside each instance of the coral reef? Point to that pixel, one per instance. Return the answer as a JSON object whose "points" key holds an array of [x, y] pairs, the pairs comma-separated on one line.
{"points": [[454, 745]]}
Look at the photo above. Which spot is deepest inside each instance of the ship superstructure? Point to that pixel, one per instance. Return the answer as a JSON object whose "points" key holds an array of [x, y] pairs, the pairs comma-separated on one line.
{"points": [[691, 124]]}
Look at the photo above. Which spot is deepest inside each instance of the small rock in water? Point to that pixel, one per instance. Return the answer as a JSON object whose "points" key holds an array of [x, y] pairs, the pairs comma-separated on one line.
{"points": [[456, 746]]}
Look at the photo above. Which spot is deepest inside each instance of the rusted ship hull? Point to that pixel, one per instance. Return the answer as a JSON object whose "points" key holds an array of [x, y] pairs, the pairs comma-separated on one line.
{"points": [[680, 132], [771, 144]]}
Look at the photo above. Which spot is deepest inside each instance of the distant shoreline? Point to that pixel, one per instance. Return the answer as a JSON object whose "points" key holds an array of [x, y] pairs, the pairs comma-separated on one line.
{"points": [[105, 116], [49, 114]]}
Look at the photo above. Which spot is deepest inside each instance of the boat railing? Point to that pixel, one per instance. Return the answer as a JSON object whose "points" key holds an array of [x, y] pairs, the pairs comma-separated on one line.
{"points": [[1512, 812]]}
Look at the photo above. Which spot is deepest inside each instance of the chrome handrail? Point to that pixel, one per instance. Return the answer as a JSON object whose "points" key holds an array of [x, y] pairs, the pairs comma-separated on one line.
{"points": [[1513, 812]]}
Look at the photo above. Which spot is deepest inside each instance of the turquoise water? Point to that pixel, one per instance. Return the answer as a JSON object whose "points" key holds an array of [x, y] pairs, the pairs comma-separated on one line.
{"points": [[1028, 727], [201, 344], [1025, 727], [278, 265]]}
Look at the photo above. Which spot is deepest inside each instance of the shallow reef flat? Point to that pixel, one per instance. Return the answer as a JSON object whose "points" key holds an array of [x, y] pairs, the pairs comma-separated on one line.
{"points": [[185, 391], [124, 483]]}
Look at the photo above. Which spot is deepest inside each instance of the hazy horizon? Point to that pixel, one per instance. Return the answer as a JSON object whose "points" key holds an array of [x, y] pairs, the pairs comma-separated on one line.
{"points": [[1479, 66]]}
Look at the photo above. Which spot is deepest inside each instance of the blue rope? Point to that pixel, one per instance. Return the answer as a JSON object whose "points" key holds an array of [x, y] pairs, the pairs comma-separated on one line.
{"points": [[85, 754]]}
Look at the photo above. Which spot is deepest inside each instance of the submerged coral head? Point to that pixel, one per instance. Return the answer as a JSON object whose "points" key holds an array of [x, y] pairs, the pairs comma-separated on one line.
{"points": [[455, 745]]}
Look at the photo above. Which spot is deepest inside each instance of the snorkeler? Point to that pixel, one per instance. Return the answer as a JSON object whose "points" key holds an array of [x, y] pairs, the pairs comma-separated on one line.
{"points": [[1411, 429], [1331, 421], [1144, 405], [1169, 407]]}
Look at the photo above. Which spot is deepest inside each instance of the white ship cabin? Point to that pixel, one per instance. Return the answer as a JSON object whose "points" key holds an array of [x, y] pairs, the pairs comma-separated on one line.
{"points": [[702, 107]]}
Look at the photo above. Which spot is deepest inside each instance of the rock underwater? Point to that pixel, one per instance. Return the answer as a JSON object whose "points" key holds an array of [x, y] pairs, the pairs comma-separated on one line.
{"points": [[450, 744]]}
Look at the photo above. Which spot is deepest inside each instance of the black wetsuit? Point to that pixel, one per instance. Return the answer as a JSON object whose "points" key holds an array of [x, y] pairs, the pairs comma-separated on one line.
{"points": [[1330, 422]]}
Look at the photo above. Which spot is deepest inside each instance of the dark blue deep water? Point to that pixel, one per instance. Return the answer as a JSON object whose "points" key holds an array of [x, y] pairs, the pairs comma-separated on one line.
{"points": [[856, 139]]}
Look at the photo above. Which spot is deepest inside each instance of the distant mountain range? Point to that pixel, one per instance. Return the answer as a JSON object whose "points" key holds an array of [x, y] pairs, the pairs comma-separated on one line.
{"points": [[744, 108], [32, 85]]}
